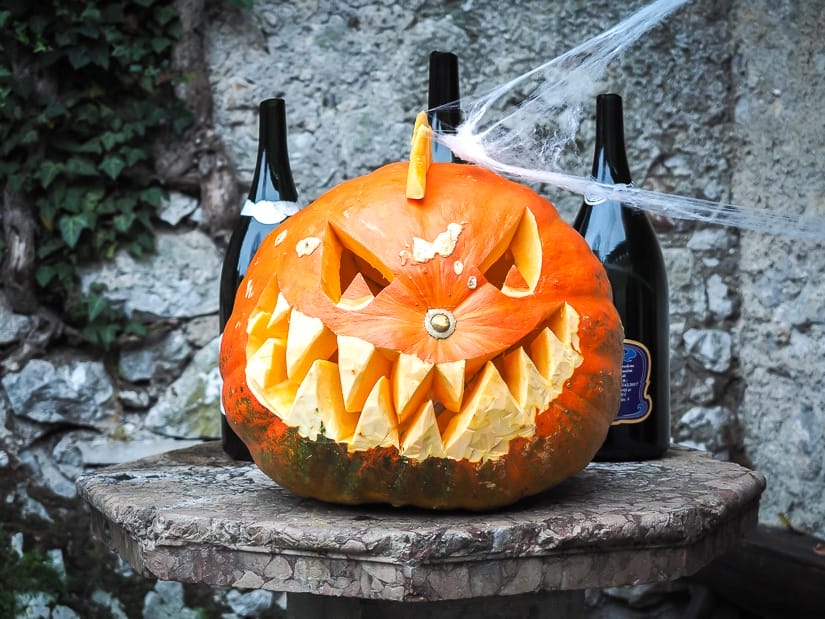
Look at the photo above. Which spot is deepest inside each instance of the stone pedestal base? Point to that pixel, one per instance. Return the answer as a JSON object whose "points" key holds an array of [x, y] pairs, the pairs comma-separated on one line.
{"points": [[193, 515]]}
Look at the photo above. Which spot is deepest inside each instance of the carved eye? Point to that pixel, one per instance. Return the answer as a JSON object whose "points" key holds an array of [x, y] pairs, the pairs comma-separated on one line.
{"points": [[352, 276], [517, 269]]}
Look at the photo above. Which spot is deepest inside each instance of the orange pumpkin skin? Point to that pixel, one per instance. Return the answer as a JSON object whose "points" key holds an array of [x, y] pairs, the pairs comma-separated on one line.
{"points": [[373, 220]]}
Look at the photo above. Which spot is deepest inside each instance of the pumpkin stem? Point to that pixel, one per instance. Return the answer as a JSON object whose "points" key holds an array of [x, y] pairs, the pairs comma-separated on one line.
{"points": [[421, 156]]}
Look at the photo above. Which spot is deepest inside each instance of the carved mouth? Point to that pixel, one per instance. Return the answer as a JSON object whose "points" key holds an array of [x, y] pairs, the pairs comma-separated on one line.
{"points": [[346, 389]]}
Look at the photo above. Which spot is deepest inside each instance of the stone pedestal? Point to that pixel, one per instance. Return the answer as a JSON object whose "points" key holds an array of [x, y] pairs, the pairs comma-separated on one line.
{"points": [[193, 515]]}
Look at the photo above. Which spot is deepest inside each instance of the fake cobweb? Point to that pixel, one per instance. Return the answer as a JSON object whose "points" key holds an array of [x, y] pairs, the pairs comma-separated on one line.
{"points": [[526, 141]]}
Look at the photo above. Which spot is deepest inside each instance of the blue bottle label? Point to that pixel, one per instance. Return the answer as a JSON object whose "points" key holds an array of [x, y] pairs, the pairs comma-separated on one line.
{"points": [[636, 402]]}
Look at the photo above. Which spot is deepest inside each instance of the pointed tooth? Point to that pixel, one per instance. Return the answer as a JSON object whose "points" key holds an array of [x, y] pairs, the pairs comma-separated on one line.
{"points": [[257, 322], [279, 320], [256, 331], [530, 389], [264, 324], [266, 367], [422, 438], [318, 405], [555, 360], [308, 341], [360, 365], [489, 418], [565, 325], [411, 379], [279, 398], [378, 424], [448, 383], [545, 351]]}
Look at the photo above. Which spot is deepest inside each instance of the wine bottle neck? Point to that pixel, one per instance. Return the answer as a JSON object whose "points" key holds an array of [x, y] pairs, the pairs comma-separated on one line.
{"points": [[443, 99], [272, 179], [444, 113], [610, 158]]}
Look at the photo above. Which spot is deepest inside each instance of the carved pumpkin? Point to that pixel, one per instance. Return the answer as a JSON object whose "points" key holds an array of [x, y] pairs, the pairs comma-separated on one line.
{"points": [[455, 351]]}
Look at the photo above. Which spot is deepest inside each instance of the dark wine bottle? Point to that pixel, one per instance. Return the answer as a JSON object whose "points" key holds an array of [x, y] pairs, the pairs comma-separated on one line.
{"points": [[272, 199], [443, 103], [624, 240]]}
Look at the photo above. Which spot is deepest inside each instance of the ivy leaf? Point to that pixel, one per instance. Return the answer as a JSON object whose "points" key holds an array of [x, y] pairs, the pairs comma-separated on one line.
{"points": [[30, 137], [65, 38], [123, 222], [55, 109], [71, 227], [88, 29], [99, 55], [72, 199], [133, 155], [9, 168], [181, 124], [113, 166], [91, 13], [97, 305], [80, 166], [15, 183], [147, 83], [111, 138], [160, 43], [78, 57], [133, 327], [91, 198], [47, 173], [166, 14], [44, 274], [89, 146], [127, 203], [49, 247], [104, 335], [88, 112], [152, 195]]}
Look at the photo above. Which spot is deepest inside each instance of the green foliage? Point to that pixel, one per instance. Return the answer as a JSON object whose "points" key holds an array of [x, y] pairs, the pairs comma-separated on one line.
{"points": [[84, 87], [30, 573]]}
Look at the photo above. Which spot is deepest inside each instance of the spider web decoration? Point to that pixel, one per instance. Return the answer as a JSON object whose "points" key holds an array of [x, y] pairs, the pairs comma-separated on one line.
{"points": [[527, 141]]}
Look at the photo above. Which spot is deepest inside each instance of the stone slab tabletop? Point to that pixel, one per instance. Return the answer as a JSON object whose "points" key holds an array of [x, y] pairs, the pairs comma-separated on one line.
{"points": [[193, 515]]}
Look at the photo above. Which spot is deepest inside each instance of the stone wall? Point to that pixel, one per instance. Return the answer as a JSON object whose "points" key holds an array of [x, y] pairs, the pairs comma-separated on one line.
{"points": [[721, 103]]}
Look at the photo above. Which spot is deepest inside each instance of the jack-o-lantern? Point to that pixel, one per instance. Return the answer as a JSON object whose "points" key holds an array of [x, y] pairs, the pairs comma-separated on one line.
{"points": [[458, 350]]}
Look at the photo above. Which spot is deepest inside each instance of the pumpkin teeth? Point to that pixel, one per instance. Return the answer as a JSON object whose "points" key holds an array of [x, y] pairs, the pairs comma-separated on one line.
{"points": [[530, 389], [555, 351], [360, 366], [411, 378], [378, 423], [489, 419], [320, 391], [307, 340], [347, 390], [422, 438], [448, 383]]}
